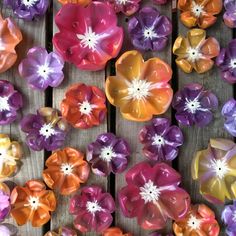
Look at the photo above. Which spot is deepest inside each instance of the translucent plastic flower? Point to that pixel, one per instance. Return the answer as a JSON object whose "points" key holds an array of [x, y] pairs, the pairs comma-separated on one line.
{"points": [[149, 30], [152, 195], [161, 140], [194, 105], [10, 102], [199, 13], [10, 154], [28, 9], [115, 231], [88, 44], [92, 209], [229, 15], [228, 216], [226, 61], [42, 69], [199, 221], [32, 203], [10, 36], [215, 168], [84, 106], [63, 231], [158, 234], [195, 51], [5, 205], [140, 89], [66, 170], [108, 154], [8, 230], [46, 129], [80, 2]]}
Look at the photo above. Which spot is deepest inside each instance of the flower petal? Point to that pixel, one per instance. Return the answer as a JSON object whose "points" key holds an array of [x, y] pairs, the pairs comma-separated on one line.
{"points": [[196, 37]]}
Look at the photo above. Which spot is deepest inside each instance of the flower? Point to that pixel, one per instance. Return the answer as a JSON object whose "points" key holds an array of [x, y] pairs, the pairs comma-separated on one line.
{"points": [[32, 203], [28, 9], [5, 206], [199, 221], [161, 140], [42, 69], [8, 230], [194, 105], [215, 169], [158, 234], [229, 15], [115, 231], [10, 36], [140, 89], [108, 154], [80, 2], [152, 195], [10, 154], [195, 51], [92, 209], [63, 231], [88, 44], [199, 12], [226, 61], [66, 169], [46, 129], [160, 2], [84, 106], [228, 216], [10, 102], [149, 30]]}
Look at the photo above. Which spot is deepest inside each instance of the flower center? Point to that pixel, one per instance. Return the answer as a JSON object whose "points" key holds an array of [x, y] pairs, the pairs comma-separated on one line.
{"points": [[197, 10], [47, 130], [29, 3], [107, 154], [33, 202], [44, 71], [4, 105], [220, 167], [89, 39], [192, 106], [193, 54], [233, 63], [122, 2], [149, 33], [158, 140], [194, 223], [149, 192], [66, 168], [234, 216], [93, 207], [86, 108]]}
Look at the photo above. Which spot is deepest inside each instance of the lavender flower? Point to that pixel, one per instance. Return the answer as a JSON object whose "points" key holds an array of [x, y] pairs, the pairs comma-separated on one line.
{"points": [[229, 15], [5, 206], [8, 230], [229, 218]]}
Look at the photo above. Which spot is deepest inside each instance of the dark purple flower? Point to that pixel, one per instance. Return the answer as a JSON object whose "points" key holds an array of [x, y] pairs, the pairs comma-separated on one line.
{"points": [[161, 140], [28, 9], [46, 129], [227, 62], [108, 154], [41, 69], [229, 15], [10, 102], [194, 105], [149, 30]]}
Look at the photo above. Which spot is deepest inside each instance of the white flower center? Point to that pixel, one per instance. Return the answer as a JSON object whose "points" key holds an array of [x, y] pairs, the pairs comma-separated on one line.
{"points": [[44, 71], [194, 223], [149, 192], [192, 106], [86, 108], [66, 168], [4, 105], [197, 10], [219, 167], [93, 207], [33, 202], [5, 158], [233, 63], [89, 39], [122, 2], [158, 140], [107, 154], [193, 54], [149, 33], [29, 3], [234, 216], [47, 130]]}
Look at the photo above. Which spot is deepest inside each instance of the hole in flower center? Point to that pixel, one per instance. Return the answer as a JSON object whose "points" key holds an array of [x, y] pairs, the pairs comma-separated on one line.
{"points": [[33, 202], [66, 168], [219, 167], [194, 223], [47, 130], [192, 106], [86, 108], [233, 63], [107, 154], [93, 207], [122, 2], [29, 3], [193, 54], [197, 10], [44, 71], [149, 192], [158, 140], [149, 33], [4, 104]]}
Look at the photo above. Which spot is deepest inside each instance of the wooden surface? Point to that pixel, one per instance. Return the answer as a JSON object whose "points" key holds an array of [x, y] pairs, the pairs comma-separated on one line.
{"points": [[39, 34]]}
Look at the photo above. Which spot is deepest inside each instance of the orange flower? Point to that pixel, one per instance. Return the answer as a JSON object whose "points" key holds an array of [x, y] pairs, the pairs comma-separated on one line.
{"points": [[199, 12], [140, 89], [66, 170], [115, 231], [80, 2], [32, 203], [10, 36]]}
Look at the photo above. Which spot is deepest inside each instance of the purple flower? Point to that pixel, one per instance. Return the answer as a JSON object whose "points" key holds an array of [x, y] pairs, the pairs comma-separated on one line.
{"points": [[161, 140], [228, 216], [108, 154], [8, 230], [194, 105], [10, 102], [28, 9], [46, 129], [41, 69], [5, 206], [227, 62], [229, 16], [149, 30]]}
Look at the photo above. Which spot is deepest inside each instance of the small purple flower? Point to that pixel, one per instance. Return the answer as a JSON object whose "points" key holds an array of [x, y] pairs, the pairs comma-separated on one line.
{"points": [[28, 9], [229, 15], [194, 105], [149, 30], [227, 62], [41, 69], [228, 216], [8, 230], [5, 206], [161, 140], [10, 102], [108, 154]]}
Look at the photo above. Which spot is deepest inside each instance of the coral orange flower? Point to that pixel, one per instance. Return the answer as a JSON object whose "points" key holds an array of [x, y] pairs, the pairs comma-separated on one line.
{"points": [[63, 231], [195, 51], [198, 222], [10, 36], [32, 203], [115, 231], [199, 12], [140, 89], [66, 169], [80, 2]]}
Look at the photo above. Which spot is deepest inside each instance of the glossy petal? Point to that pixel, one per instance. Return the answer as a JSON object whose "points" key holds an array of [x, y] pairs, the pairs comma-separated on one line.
{"points": [[115, 231], [63, 231], [229, 219], [229, 16], [5, 206], [8, 230], [80, 2]]}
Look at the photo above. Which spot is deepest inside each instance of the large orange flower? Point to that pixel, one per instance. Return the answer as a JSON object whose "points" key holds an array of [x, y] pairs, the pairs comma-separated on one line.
{"points": [[80, 2], [115, 231], [32, 203], [66, 170], [199, 12], [140, 89]]}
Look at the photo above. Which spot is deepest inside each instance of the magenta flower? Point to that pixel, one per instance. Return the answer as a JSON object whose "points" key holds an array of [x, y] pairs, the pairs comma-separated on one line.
{"points": [[10, 102], [152, 195], [92, 209], [228, 216], [108, 154], [229, 15], [5, 205], [41, 69], [161, 140], [194, 105], [8, 230]]}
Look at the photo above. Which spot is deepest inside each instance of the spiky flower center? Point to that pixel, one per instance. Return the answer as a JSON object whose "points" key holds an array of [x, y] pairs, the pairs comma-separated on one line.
{"points": [[122, 2], [149, 192], [86, 108], [158, 140], [197, 9], [66, 168], [149, 33], [220, 167], [33, 202], [29, 3], [47, 130], [233, 63], [192, 105], [44, 71], [4, 104], [93, 207], [107, 154], [193, 54], [194, 223]]}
